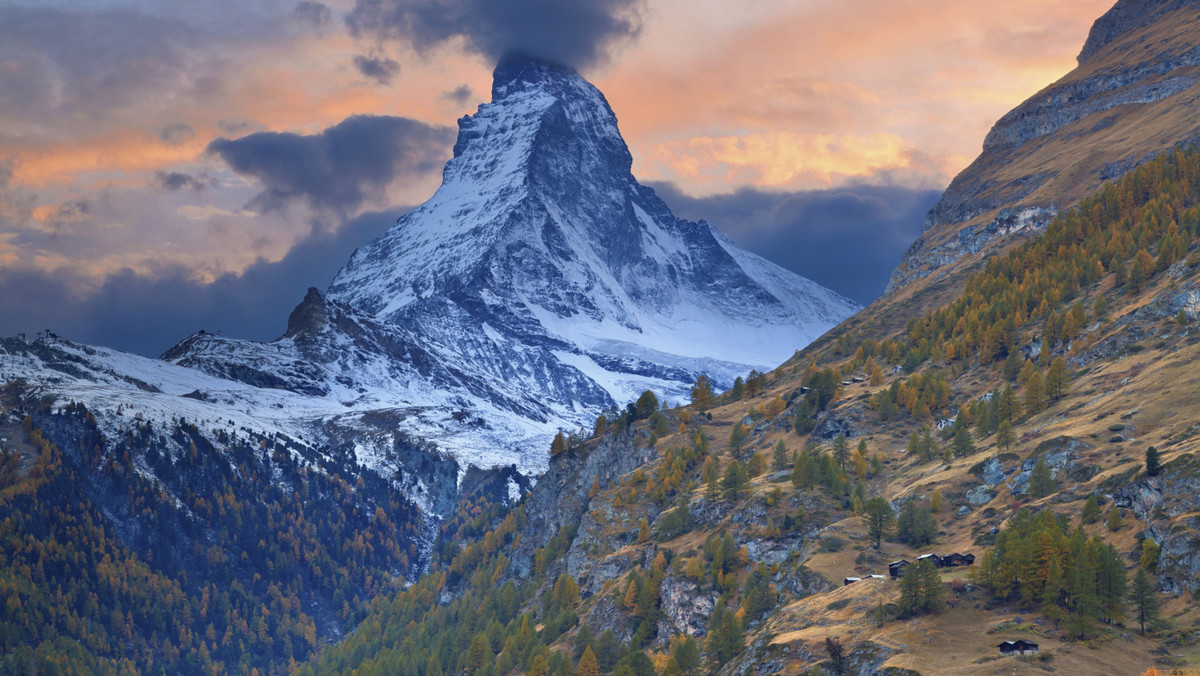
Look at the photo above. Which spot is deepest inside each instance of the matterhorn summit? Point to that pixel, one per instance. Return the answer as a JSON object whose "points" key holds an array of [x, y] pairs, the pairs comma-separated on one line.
{"points": [[544, 263]]}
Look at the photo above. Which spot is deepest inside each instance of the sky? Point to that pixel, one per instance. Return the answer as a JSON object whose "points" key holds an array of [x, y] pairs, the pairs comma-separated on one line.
{"points": [[172, 166]]}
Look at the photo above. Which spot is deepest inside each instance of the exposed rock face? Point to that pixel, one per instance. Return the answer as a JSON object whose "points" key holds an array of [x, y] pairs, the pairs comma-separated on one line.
{"points": [[685, 609], [560, 498], [1132, 96]]}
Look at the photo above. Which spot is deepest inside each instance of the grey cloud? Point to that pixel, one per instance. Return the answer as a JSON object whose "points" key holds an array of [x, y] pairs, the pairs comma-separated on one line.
{"points": [[86, 62], [312, 14], [174, 180], [148, 314], [460, 95], [848, 239], [239, 126], [174, 134], [378, 68], [339, 168], [577, 33]]}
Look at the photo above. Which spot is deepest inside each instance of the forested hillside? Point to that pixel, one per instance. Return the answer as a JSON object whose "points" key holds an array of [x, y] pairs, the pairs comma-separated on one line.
{"points": [[167, 592]]}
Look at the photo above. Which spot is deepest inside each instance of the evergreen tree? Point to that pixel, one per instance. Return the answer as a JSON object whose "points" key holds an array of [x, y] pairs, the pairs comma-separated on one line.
{"points": [[739, 388], [964, 445], [1091, 510], [686, 653], [878, 517], [1004, 435], [916, 526], [1041, 483], [841, 451], [1114, 521], [804, 420], [737, 436], [921, 590], [928, 446], [1144, 600], [734, 481], [646, 405], [1035, 394], [1056, 378], [1153, 466], [779, 457]]}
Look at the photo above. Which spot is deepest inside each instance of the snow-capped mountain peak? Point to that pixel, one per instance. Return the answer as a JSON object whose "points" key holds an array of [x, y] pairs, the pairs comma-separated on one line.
{"points": [[542, 261]]}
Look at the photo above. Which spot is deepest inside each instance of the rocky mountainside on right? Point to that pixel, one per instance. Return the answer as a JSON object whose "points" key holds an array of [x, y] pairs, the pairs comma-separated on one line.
{"points": [[995, 469], [1134, 94]]}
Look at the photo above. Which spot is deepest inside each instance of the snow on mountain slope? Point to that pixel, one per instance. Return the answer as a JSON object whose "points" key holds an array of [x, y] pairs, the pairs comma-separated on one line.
{"points": [[540, 286], [544, 264]]}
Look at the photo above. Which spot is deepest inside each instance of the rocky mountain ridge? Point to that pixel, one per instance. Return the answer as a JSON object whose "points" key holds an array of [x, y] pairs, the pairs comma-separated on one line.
{"points": [[1132, 96]]}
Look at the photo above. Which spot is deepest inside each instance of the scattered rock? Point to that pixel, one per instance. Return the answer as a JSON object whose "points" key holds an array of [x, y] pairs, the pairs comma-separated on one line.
{"points": [[979, 495]]}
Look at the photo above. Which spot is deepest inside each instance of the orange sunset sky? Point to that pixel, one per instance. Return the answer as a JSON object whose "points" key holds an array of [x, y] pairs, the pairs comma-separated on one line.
{"points": [[108, 108]]}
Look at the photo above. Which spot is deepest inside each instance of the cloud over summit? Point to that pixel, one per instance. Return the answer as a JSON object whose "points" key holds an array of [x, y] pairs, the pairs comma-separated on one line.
{"points": [[577, 33]]}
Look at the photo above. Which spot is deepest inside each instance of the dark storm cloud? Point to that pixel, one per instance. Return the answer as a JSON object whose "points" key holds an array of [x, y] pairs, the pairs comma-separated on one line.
{"points": [[312, 14], [378, 68], [848, 239], [339, 168], [577, 33], [460, 95], [149, 314]]}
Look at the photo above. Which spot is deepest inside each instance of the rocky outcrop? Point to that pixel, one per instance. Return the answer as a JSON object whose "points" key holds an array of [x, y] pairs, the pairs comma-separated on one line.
{"points": [[685, 609], [1146, 321], [561, 496]]}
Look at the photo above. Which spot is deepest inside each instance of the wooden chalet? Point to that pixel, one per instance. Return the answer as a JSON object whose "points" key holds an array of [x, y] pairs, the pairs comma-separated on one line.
{"points": [[850, 580], [896, 568], [931, 558], [1018, 647], [955, 560]]}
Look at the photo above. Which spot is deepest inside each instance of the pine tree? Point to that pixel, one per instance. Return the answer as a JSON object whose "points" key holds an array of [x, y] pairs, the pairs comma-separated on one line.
{"points": [[1114, 521], [1153, 465], [1091, 510], [916, 526], [646, 405], [921, 590], [702, 393], [686, 653], [734, 481], [1056, 378], [1144, 600], [737, 436], [964, 445], [1035, 394], [841, 451], [1041, 483], [1004, 435], [878, 517], [779, 457]]}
